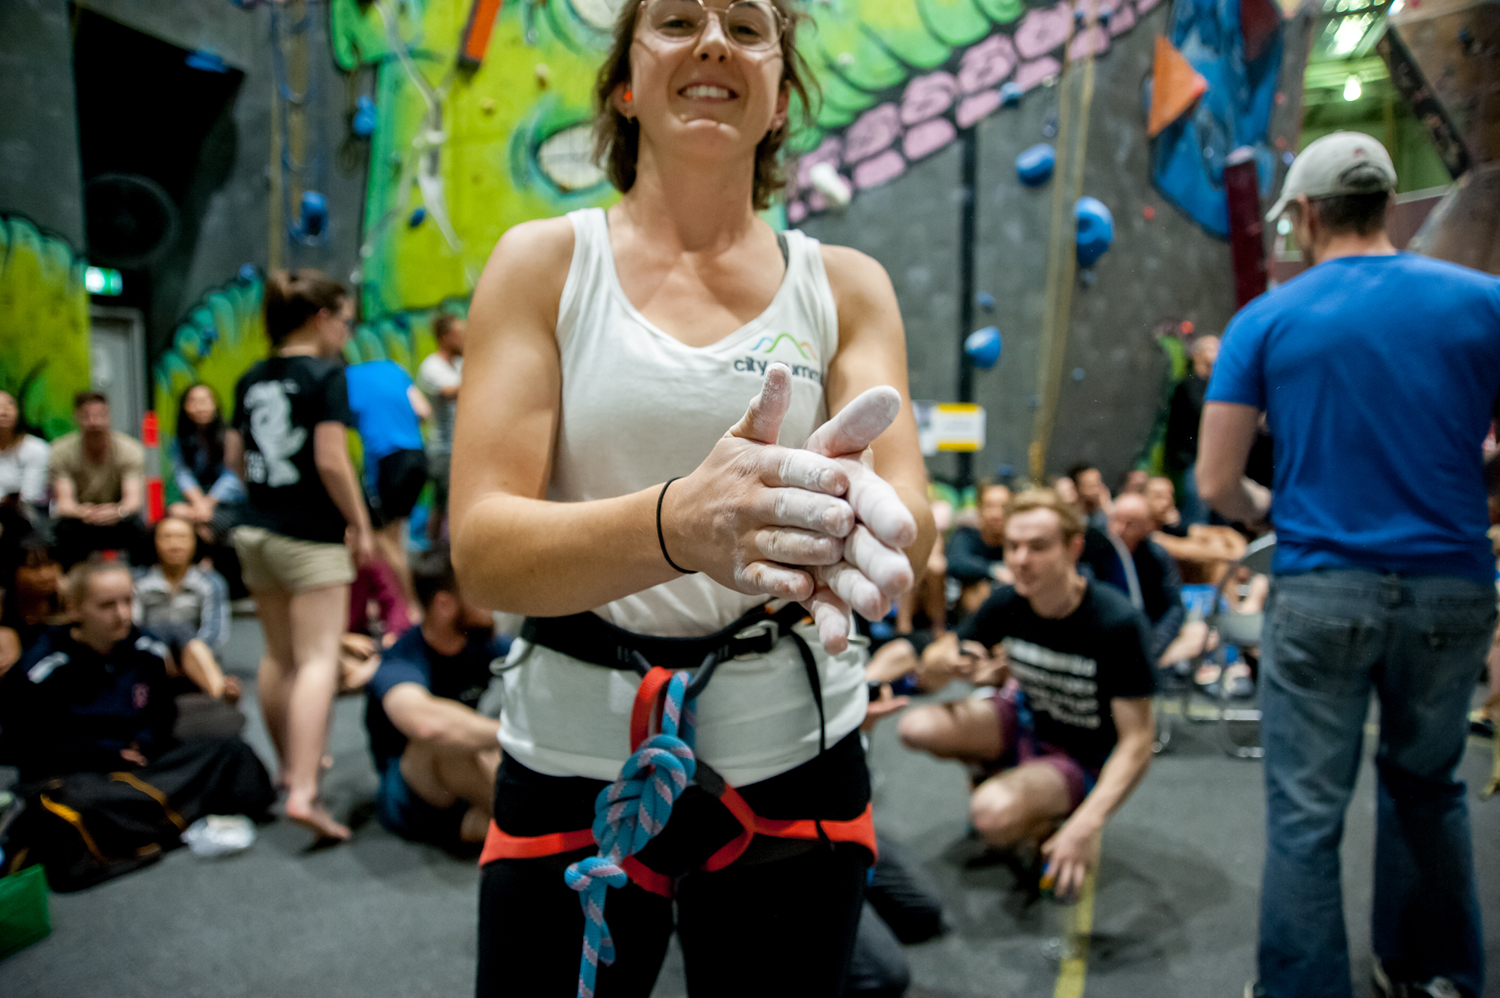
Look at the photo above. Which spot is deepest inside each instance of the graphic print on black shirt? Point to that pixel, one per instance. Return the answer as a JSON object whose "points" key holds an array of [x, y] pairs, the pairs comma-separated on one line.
{"points": [[277, 405], [463, 677], [1070, 669]]}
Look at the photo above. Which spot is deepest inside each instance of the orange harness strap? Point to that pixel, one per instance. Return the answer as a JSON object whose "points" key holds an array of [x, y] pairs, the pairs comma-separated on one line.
{"points": [[858, 831]]}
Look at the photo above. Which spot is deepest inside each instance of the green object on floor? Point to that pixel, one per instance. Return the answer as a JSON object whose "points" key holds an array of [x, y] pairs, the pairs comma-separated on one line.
{"points": [[23, 910]]}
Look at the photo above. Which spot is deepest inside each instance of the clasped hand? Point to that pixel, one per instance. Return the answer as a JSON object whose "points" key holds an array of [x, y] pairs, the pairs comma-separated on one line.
{"points": [[815, 525]]}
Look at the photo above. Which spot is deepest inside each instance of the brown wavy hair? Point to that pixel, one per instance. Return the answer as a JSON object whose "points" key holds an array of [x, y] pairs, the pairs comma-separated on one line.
{"points": [[617, 138]]}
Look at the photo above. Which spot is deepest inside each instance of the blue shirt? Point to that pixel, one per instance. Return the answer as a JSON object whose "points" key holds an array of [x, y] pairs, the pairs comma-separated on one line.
{"points": [[382, 410], [1378, 376], [463, 677]]}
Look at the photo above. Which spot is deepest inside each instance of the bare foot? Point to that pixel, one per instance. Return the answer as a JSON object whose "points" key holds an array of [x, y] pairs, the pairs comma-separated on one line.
{"points": [[311, 815]]}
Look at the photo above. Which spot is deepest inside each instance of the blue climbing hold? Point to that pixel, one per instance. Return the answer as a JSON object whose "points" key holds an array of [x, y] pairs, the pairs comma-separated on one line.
{"points": [[1096, 230], [983, 347], [417, 218], [1010, 94], [247, 272], [1034, 165], [207, 61], [314, 213], [985, 300], [363, 124]]}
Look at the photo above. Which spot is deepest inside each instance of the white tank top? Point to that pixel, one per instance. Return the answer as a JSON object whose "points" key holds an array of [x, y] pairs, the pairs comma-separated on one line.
{"points": [[639, 407]]}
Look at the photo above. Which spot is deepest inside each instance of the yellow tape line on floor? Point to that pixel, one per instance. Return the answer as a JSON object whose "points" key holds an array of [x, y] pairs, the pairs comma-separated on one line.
{"points": [[1073, 971]]}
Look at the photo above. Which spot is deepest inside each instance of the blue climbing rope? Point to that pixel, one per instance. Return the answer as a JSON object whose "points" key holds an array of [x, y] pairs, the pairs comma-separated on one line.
{"points": [[629, 813]]}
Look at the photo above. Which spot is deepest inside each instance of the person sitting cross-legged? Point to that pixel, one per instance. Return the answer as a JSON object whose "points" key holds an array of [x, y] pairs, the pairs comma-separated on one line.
{"points": [[435, 753], [93, 698], [1063, 734]]}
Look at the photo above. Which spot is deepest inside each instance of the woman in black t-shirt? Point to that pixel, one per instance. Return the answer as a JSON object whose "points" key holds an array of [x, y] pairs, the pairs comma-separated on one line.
{"points": [[304, 518]]}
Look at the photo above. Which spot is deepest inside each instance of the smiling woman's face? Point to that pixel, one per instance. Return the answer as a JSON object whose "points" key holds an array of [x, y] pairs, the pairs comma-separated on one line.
{"points": [[701, 95]]}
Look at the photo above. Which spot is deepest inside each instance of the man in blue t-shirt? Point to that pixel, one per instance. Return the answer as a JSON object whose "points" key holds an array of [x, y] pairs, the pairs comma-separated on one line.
{"points": [[1378, 373], [435, 753], [388, 410]]}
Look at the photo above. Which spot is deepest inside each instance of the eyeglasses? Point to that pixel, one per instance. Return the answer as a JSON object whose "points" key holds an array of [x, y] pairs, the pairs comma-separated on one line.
{"points": [[753, 25]]}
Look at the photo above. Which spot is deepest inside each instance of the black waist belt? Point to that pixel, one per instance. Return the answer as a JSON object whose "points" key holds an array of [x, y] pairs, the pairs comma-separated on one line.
{"points": [[590, 638]]}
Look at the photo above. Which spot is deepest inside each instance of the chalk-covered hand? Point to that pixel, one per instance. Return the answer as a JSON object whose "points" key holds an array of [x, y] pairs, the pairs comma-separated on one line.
{"points": [[874, 570], [757, 517]]}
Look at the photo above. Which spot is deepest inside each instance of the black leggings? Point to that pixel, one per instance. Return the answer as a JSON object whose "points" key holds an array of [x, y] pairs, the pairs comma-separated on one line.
{"points": [[781, 920]]}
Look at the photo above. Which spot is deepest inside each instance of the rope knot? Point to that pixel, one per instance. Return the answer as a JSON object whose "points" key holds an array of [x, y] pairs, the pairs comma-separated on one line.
{"points": [[629, 813]]}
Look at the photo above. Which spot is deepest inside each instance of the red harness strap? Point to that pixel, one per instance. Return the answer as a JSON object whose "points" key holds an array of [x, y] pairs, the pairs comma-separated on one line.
{"points": [[858, 831]]}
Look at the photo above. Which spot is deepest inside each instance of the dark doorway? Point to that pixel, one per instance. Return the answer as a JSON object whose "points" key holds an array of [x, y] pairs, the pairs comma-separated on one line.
{"points": [[156, 139]]}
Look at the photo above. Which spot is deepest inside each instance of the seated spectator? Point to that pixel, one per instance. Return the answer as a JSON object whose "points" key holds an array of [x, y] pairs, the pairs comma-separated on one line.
{"points": [[1184, 413], [1135, 481], [976, 555], [94, 697], [388, 408], [23, 460], [1205, 554], [33, 602], [213, 496], [378, 615], [1161, 497], [1130, 561], [436, 755], [1093, 494], [1066, 489], [98, 486], [187, 606], [1064, 732], [929, 595], [198, 466]]}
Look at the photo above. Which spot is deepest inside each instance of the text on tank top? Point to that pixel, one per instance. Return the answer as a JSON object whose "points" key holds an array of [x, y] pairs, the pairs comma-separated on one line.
{"points": [[640, 406]]}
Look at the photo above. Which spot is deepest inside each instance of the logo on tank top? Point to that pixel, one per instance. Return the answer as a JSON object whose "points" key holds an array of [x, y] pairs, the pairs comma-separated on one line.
{"points": [[788, 350]]}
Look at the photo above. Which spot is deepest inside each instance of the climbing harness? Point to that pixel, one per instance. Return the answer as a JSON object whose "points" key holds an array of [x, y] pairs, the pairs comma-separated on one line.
{"points": [[632, 810]]}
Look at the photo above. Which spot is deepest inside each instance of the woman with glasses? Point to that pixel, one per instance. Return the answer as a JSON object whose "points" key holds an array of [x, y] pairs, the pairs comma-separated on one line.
{"points": [[595, 489], [303, 520]]}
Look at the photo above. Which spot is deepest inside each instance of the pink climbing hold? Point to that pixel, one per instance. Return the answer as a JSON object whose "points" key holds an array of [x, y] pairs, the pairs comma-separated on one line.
{"points": [[986, 64], [872, 173], [873, 131], [928, 137], [1044, 30], [927, 97], [977, 107]]}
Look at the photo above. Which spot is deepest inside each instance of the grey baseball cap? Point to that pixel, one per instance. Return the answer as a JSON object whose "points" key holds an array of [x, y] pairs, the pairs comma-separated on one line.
{"points": [[1338, 163]]}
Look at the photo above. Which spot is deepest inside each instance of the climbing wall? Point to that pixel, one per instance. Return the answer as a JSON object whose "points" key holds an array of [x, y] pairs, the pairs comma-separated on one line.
{"points": [[1164, 267]]}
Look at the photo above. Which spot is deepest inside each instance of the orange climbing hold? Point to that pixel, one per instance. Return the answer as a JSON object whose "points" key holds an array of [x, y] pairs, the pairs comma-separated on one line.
{"points": [[1175, 86]]}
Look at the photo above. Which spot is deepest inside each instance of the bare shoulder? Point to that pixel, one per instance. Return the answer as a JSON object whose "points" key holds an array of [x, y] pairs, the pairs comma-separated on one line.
{"points": [[861, 287], [525, 274], [850, 270], [534, 248]]}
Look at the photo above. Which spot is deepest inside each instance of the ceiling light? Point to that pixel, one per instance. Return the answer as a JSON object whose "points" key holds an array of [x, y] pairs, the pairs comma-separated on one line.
{"points": [[1352, 89]]}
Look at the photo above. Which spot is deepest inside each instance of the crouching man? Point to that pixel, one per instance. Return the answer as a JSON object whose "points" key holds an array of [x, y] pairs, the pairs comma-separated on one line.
{"points": [[88, 715], [1060, 728], [436, 755]]}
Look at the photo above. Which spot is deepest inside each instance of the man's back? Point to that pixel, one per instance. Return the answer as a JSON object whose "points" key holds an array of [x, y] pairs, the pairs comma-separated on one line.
{"points": [[377, 395], [1378, 375]]}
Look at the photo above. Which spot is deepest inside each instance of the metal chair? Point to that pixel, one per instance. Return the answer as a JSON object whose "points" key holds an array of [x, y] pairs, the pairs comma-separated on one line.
{"points": [[1235, 630]]}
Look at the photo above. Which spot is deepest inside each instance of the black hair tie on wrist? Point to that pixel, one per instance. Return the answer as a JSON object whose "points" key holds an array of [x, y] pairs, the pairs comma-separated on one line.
{"points": [[660, 538]]}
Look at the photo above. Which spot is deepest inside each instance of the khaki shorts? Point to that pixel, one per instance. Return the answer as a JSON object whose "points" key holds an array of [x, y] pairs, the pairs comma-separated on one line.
{"points": [[275, 561]]}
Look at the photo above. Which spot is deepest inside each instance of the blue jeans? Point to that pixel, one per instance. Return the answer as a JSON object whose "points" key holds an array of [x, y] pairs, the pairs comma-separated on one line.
{"points": [[1418, 642]]}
